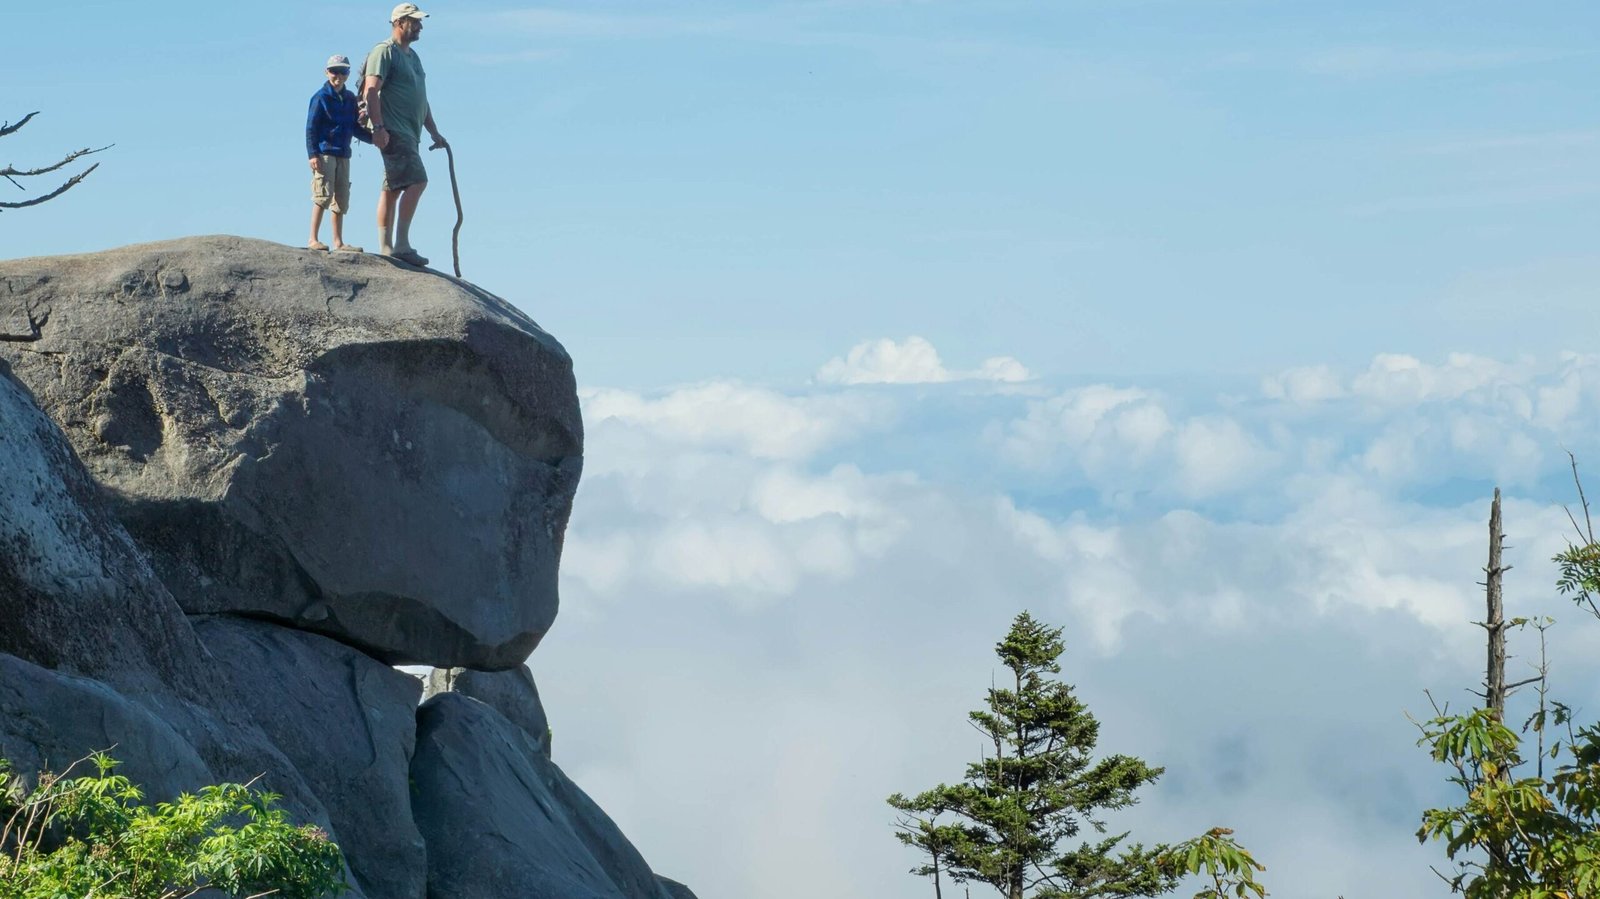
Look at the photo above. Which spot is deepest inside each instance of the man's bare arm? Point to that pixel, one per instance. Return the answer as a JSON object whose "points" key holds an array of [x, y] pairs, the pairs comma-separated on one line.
{"points": [[433, 130], [370, 92]]}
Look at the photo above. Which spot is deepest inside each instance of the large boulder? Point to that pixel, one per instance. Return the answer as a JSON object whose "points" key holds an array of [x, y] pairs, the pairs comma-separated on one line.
{"points": [[511, 693], [237, 482], [348, 723], [94, 653], [75, 593], [329, 440], [51, 721], [500, 819]]}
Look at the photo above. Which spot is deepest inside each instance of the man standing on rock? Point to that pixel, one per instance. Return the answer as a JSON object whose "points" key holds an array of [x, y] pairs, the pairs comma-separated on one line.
{"points": [[394, 88]]}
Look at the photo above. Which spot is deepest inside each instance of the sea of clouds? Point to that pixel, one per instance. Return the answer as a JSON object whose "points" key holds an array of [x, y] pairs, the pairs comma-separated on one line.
{"points": [[779, 601]]}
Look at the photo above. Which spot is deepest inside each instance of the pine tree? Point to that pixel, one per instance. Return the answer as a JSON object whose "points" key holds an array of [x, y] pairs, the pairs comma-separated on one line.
{"points": [[937, 841], [1039, 787]]}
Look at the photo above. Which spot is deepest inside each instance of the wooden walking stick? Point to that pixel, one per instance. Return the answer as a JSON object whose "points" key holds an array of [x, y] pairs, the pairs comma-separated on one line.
{"points": [[455, 235]]}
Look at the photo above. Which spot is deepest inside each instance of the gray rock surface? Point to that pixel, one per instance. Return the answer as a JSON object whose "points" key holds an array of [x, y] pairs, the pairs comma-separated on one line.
{"points": [[348, 723], [329, 440], [237, 480], [676, 890], [49, 721], [511, 693], [94, 653], [500, 819], [75, 593]]}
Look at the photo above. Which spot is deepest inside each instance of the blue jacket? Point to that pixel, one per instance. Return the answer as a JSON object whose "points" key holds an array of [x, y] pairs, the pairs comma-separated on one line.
{"points": [[331, 123]]}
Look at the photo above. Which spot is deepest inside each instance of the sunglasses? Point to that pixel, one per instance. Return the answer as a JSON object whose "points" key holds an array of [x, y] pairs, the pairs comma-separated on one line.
{"points": [[338, 71]]}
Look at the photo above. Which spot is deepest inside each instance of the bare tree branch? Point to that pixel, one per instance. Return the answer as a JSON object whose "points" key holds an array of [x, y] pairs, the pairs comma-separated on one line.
{"points": [[9, 171], [1587, 521], [9, 128], [71, 183]]}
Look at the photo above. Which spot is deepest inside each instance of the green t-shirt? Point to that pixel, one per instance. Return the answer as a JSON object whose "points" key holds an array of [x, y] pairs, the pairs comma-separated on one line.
{"points": [[404, 92]]}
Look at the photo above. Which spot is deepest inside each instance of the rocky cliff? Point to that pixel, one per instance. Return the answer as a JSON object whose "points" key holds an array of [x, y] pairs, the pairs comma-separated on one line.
{"points": [[239, 482]]}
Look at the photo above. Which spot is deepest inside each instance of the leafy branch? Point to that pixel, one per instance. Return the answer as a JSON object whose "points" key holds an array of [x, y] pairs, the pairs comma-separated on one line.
{"points": [[94, 836]]}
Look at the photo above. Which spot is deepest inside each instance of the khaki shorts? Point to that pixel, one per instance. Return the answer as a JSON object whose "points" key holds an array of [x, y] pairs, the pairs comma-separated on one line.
{"points": [[402, 165], [330, 188]]}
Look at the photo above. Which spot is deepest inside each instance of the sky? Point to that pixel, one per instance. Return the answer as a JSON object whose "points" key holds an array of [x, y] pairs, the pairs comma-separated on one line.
{"points": [[1202, 329]]}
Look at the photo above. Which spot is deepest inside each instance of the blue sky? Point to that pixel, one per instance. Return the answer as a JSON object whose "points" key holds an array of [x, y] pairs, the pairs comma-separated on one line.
{"points": [[1202, 328], [684, 190]]}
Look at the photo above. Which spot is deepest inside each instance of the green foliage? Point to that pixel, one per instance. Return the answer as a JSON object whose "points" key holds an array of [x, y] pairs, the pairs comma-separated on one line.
{"points": [[1521, 834], [1579, 580], [1039, 787], [1217, 856], [937, 842], [93, 836], [1517, 837]]}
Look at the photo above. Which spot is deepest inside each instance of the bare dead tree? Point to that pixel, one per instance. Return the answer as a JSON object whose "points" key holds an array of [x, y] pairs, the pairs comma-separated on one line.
{"points": [[12, 173], [1494, 679], [1495, 688], [1494, 624]]}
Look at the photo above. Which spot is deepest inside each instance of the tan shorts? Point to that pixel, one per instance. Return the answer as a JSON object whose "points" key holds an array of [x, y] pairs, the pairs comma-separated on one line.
{"points": [[330, 188], [402, 165]]}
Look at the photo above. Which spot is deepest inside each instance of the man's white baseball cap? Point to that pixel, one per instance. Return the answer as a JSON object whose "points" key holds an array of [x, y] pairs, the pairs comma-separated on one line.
{"points": [[406, 11], [338, 62]]}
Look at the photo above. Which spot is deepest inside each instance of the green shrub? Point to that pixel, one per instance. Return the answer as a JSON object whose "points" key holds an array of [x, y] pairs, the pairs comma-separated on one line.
{"points": [[94, 836]]}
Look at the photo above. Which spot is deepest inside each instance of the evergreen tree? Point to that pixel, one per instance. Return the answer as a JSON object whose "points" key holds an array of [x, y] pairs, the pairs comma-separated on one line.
{"points": [[1040, 787], [935, 840]]}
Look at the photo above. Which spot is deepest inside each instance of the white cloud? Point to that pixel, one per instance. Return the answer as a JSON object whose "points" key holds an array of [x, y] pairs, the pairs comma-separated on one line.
{"points": [[1098, 423], [1303, 386], [1546, 390], [1125, 438], [1575, 383], [744, 531], [1405, 380], [752, 623], [1003, 369], [727, 554], [1216, 455], [727, 415], [912, 361], [1393, 454], [689, 518], [784, 495], [844, 655], [1406, 421]]}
